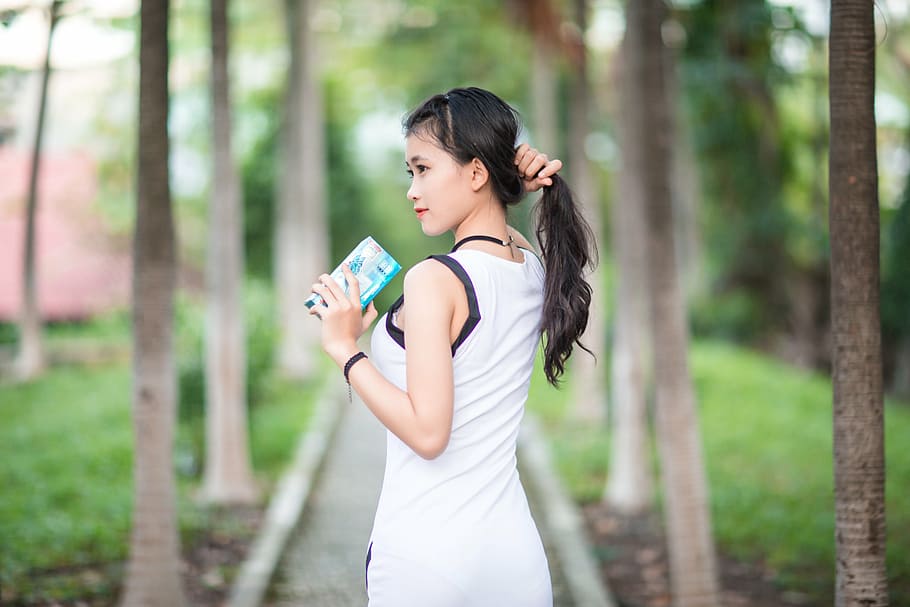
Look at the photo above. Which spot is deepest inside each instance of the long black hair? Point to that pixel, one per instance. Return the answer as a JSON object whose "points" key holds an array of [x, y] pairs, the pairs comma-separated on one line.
{"points": [[473, 123]]}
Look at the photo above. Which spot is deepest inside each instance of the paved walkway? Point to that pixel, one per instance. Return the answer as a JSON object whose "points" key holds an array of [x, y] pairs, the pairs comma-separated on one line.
{"points": [[324, 561]]}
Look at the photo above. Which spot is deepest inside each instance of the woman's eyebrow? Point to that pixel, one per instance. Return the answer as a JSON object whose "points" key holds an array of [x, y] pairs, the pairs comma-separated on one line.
{"points": [[416, 158]]}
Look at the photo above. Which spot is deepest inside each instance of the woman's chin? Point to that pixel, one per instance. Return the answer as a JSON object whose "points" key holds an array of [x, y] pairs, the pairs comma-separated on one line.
{"points": [[431, 231]]}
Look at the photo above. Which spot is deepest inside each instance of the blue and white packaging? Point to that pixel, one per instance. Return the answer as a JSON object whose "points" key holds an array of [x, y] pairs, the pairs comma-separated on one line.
{"points": [[373, 267]]}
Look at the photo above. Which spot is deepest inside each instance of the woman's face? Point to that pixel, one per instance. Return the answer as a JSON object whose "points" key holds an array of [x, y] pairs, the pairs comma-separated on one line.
{"points": [[440, 187]]}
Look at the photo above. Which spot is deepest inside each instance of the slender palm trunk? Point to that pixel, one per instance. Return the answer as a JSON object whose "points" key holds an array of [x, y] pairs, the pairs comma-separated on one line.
{"points": [[228, 474], [302, 231], [30, 358], [153, 577], [543, 94], [684, 180], [859, 465], [630, 486], [693, 569], [588, 377]]}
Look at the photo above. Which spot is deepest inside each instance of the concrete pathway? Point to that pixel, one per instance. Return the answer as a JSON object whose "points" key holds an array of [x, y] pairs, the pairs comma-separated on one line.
{"points": [[324, 561]]}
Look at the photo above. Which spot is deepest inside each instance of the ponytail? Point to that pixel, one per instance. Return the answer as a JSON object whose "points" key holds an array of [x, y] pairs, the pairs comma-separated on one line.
{"points": [[568, 247]]}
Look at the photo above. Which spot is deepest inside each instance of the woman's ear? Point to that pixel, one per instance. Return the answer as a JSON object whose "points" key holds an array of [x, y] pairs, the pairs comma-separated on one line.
{"points": [[479, 174]]}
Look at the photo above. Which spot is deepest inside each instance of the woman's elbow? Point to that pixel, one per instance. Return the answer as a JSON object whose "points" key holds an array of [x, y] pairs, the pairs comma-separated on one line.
{"points": [[432, 446]]}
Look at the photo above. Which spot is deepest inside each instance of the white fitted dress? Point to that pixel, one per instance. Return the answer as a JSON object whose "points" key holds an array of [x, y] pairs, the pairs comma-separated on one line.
{"points": [[456, 531]]}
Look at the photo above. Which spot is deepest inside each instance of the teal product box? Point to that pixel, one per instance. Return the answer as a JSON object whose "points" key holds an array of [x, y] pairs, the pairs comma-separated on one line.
{"points": [[372, 266]]}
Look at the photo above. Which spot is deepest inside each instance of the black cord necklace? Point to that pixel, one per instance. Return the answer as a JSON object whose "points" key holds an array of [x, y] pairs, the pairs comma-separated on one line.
{"points": [[466, 239]]}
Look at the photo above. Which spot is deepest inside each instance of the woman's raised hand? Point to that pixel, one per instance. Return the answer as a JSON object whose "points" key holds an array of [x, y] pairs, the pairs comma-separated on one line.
{"points": [[535, 168], [342, 319]]}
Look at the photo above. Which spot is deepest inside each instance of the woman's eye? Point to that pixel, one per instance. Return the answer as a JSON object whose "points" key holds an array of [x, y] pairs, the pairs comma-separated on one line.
{"points": [[419, 168]]}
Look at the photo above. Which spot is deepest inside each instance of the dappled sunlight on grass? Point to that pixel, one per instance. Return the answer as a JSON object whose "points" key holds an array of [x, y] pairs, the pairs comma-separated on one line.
{"points": [[767, 434]]}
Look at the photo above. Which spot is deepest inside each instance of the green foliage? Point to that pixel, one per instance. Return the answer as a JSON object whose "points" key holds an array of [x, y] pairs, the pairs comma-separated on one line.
{"points": [[66, 453], [9, 334], [895, 276], [260, 340], [436, 45], [65, 469], [112, 326], [259, 174], [735, 315], [348, 201], [767, 432], [758, 231], [276, 424]]}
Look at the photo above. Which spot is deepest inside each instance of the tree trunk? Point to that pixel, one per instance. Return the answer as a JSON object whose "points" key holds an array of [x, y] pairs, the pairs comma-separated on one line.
{"points": [[543, 94], [30, 358], [630, 486], [588, 380], [859, 467], [228, 474], [153, 577], [302, 230], [693, 569], [685, 194]]}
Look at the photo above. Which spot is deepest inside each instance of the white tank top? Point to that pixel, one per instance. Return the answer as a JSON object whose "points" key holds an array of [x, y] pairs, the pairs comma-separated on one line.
{"points": [[465, 512]]}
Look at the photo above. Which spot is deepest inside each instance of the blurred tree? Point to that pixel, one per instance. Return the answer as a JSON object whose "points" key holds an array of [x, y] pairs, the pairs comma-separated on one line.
{"points": [[301, 237], [153, 576], [228, 476], [259, 176], [896, 295], [542, 20], [729, 73], [859, 466], [630, 486], [693, 569], [347, 196], [684, 176], [895, 289], [588, 373], [476, 42], [30, 357]]}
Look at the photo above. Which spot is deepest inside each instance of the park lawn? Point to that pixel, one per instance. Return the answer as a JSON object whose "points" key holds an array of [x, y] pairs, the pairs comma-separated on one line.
{"points": [[767, 434], [66, 475]]}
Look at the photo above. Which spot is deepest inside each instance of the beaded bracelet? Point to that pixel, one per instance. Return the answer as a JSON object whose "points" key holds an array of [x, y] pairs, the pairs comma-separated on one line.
{"points": [[347, 371]]}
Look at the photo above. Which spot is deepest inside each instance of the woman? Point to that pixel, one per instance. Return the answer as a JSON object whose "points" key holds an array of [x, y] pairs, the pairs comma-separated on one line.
{"points": [[452, 360]]}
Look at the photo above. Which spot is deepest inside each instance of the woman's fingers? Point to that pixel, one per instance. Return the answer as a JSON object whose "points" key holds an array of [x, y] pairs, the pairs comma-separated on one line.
{"points": [[550, 169], [535, 168], [368, 318], [333, 288], [353, 285], [524, 157]]}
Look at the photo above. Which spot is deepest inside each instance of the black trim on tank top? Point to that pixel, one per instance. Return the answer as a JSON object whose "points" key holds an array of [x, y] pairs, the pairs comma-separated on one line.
{"points": [[470, 323], [366, 568]]}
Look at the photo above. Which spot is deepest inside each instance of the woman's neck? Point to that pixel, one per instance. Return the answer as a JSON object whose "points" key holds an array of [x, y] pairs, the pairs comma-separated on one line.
{"points": [[488, 222]]}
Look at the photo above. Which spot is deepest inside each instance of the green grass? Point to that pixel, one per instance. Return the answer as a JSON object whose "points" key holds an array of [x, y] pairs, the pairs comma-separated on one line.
{"points": [[66, 452], [767, 431]]}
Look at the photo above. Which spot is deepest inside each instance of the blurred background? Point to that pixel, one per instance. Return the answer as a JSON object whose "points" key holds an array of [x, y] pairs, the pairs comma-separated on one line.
{"points": [[748, 90]]}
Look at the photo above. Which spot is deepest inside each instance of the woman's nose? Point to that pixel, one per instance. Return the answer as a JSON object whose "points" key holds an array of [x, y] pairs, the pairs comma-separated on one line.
{"points": [[412, 192]]}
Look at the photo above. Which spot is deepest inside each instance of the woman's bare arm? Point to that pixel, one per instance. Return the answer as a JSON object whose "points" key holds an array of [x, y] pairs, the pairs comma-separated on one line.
{"points": [[421, 416]]}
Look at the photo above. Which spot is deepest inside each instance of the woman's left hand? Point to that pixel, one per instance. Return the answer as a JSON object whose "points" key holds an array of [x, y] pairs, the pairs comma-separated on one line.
{"points": [[535, 168], [343, 321]]}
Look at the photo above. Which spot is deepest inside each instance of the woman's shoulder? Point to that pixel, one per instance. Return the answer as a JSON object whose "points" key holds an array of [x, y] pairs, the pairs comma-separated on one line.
{"points": [[429, 278]]}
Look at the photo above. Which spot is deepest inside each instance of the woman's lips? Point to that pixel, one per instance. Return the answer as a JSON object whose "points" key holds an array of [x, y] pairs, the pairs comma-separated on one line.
{"points": [[420, 212]]}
